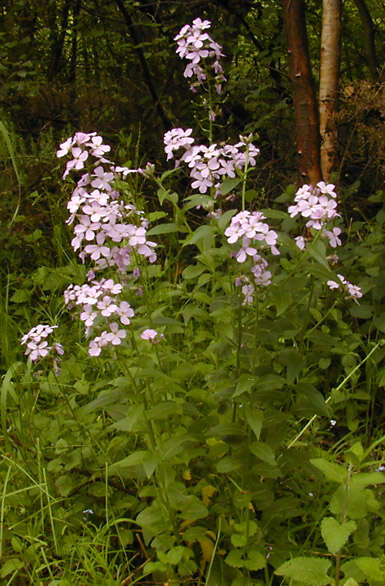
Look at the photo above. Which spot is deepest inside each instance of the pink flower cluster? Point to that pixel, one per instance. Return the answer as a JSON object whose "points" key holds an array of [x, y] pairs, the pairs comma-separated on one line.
{"points": [[209, 164], [353, 291], [102, 229], [253, 233], [194, 45], [109, 232], [249, 226], [99, 306], [37, 345], [320, 206]]}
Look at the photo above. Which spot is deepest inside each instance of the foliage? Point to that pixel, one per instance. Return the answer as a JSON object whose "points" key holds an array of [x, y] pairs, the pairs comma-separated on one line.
{"points": [[233, 435]]}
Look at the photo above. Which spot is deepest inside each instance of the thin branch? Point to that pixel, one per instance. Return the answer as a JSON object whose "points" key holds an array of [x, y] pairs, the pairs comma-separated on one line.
{"points": [[143, 62]]}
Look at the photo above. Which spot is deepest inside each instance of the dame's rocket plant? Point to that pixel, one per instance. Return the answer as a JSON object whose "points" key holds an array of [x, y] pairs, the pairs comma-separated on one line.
{"points": [[112, 234]]}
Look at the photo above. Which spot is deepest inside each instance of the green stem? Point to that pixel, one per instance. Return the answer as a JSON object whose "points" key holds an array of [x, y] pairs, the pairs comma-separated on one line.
{"points": [[339, 387]]}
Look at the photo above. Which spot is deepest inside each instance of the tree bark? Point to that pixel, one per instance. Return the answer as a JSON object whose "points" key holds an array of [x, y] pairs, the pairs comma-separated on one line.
{"points": [[329, 78], [57, 41], [305, 108], [369, 36]]}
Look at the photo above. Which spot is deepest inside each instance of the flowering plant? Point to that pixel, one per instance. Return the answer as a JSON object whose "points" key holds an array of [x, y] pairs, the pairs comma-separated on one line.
{"points": [[209, 354]]}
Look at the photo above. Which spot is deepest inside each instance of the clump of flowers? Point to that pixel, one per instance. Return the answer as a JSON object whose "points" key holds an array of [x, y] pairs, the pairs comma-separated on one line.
{"points": [[195, 45], [319, 204], [107, 231], [253, 233], [353, 291], [209, 165], [37, 345]]}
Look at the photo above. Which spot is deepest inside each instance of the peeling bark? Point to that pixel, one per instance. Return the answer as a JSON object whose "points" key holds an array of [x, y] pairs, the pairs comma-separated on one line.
{"points": [[306, 118], [329, 77]]}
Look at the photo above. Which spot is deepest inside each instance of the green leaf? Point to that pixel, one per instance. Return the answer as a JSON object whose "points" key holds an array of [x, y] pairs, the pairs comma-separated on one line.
{"points": [[193, 271], [175, 554], [165, 194], [332, 471], [245, 383], [336, 535], [228, 464], [311, 571], [198, 200], [254, 418], [317, 250], [255, 561], [135, 413], [200, 233], [163, 229], [225, 218], [21, 296], [234, 559], [144, 458], [10, 566], [229, 185], [263, 452], [275, 214], [154, 216], [164, 410], [371, 568], [192, 508]]}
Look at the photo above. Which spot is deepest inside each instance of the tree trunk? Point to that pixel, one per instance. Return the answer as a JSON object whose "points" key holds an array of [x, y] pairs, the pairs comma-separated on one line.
{"points": [[57, 41], [329, 77], [146, 72], [305, 107], [369, 31]]}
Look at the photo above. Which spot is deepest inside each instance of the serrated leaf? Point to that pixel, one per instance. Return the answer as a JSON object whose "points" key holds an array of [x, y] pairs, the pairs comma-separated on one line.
{"points": [[255, 561], [371, 567], [336, 535], [311, 571]]}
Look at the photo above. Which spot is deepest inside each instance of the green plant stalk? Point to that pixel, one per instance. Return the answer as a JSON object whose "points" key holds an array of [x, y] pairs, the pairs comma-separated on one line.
{"points": [[244, 180], [4, 132], [214, 550], [2, 509], [339, 387], [50, 514], [343, 519]]}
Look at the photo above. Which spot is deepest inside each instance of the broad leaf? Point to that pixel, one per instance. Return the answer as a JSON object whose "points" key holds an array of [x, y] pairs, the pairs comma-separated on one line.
{"points": [[336, 535], [311, 571]]}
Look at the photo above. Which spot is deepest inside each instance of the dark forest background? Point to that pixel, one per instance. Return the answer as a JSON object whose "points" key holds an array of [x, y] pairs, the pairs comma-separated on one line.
{"points": [[111, 66]]}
